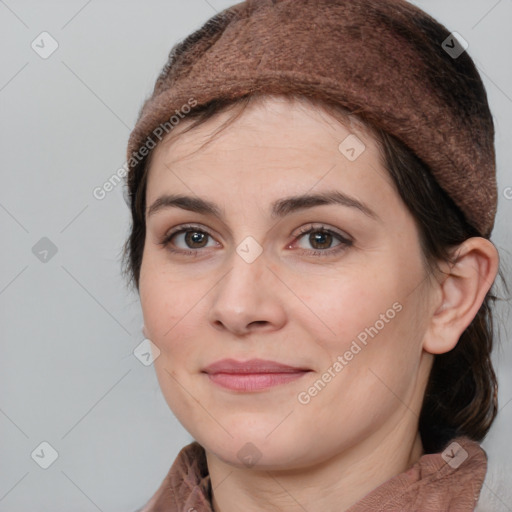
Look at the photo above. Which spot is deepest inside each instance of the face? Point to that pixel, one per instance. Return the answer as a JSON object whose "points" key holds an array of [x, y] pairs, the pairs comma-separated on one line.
{"points": [[335, 289]]}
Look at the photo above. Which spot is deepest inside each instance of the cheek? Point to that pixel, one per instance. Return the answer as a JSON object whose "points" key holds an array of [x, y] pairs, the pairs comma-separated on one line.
{"points": [[174, 310], [367, 323], [351, 307], [167, 311], [170, 319], [163, 300]]}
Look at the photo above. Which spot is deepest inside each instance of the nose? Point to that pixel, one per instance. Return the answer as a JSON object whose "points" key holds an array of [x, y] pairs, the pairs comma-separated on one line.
{"points": [[249, 297]]}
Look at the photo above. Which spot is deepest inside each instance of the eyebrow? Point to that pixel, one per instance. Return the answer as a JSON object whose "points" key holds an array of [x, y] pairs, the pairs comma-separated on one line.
{"points": [[279, 208]]}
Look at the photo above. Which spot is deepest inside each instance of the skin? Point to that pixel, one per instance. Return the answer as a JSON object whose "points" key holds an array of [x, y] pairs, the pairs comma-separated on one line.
{"points": [[296, 307]]}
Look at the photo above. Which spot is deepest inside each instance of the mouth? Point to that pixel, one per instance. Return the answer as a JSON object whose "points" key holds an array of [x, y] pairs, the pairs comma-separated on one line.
{"points": [[252, 375]]}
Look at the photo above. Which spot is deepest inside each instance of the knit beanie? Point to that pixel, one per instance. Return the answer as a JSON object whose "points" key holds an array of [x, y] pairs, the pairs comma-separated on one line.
{"points": [[387, 61]]}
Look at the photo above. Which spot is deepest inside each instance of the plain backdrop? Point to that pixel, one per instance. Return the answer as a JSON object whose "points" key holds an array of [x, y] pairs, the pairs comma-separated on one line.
{"points": [[68, 324]]}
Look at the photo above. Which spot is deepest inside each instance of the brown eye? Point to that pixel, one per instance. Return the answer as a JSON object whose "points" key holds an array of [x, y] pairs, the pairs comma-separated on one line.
{"points": [[195, 239], [187, 240], [321, 241]]}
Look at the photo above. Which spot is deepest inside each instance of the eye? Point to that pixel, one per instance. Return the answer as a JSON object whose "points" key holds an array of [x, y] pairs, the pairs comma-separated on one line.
{"points": [[189, 237], [321, 239]]}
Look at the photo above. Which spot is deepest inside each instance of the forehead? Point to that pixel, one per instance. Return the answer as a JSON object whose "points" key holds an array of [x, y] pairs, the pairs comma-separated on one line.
{"points": [[273, 138]]}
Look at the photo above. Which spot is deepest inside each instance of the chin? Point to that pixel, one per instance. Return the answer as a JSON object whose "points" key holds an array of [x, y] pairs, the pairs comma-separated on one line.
{"points": [[257, 451]]}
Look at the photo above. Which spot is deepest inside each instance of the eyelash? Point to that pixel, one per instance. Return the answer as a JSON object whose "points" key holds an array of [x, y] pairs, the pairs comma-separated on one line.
{"points": [[344, 242]]}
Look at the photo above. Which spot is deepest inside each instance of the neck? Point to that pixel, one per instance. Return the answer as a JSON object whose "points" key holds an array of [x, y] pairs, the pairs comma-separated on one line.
{"points": [[331, 486]]}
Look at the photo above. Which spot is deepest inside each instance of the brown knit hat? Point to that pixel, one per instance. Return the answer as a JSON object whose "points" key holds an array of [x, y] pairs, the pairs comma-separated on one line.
{"points": [[385, 60]]}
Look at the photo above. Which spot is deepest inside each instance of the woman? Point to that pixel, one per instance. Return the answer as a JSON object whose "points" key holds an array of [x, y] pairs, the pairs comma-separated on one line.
{"points": [[313, 189]]}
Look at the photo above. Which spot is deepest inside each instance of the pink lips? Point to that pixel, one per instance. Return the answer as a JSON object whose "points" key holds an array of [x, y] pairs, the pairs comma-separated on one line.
{"points": [[252, 375]]}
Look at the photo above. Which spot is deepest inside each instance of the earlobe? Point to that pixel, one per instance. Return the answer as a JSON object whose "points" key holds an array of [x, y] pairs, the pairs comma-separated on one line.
{"points": [[462, 292]]}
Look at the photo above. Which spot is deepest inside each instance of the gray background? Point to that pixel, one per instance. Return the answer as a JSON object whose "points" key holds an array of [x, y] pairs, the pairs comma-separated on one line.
{"points": [[68, 325]]}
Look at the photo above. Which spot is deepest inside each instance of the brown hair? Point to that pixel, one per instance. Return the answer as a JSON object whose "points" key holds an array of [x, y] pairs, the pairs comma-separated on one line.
{"points": [[461, 395]]}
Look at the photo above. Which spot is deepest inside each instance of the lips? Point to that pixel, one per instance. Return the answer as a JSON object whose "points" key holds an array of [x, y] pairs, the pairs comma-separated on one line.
{"points": [[252, 375], [251, 367]]}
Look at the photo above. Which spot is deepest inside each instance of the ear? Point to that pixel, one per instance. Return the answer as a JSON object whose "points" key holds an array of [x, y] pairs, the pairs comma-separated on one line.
{"points": [[461, 291]]}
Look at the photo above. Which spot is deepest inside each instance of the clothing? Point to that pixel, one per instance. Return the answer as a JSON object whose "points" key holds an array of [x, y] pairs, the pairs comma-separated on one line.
{"points": [[384, 60], [447, 481]]}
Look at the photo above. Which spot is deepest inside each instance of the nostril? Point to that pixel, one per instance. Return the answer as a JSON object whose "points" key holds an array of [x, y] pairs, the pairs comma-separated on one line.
{"points": [[259, 322]]}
